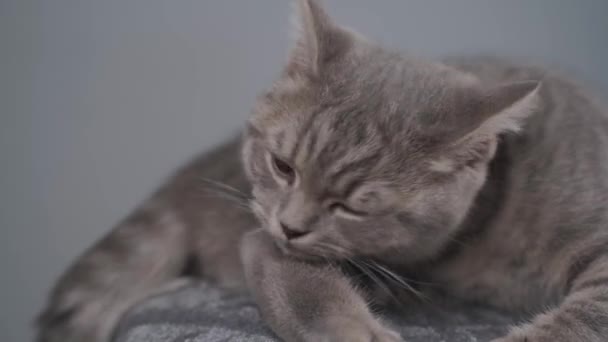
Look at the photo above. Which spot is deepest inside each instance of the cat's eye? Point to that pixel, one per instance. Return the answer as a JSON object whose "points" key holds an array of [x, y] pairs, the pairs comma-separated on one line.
{"points": [[344, 210], [283, 169]]}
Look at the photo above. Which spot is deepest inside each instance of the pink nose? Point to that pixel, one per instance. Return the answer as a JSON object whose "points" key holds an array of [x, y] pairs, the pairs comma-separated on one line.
{"points": [[291, 233]]}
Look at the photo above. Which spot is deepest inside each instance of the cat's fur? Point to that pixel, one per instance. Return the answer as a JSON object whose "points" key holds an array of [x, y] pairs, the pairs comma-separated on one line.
{"points": [[470, 175]]}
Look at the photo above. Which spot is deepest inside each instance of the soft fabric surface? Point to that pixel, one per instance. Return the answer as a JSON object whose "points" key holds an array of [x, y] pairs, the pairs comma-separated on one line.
{"points": [[201, 313]]}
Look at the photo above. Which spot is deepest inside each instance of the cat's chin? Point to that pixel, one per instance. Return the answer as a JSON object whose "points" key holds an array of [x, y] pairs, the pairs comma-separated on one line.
{"points": [[291, 251]]}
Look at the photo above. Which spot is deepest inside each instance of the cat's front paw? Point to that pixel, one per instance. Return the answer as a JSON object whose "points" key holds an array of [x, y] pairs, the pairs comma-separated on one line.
{"points": [[341, 329]]}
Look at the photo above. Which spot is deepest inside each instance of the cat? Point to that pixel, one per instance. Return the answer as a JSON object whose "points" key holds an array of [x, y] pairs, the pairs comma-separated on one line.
{"points": [[485, 178]]}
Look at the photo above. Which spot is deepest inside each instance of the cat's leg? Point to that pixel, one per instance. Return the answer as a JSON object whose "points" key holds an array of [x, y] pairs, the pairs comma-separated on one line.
{"points": [[304, 301], [141, 257], [582, 316]]}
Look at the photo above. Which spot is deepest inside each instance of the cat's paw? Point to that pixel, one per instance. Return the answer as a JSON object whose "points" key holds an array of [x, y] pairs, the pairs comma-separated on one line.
{"points": [[341, 329]]}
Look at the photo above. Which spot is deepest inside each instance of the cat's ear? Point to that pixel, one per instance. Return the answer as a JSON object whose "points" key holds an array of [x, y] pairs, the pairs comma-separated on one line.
{"points": [[489, 111], [317, 39], [505, 107], [484, 115]]}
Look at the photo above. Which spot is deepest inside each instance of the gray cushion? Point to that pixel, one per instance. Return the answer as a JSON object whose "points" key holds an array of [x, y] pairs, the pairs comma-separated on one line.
{"points": [[202, 313]]}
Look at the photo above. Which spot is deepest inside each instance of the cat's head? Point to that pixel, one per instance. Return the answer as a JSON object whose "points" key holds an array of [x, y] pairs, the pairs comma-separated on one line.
{"points": [[359, 151]]}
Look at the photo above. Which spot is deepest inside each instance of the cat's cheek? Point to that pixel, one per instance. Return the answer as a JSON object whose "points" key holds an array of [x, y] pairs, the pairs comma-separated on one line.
{"points": [[357, 237], [256, 166], [384, 234], [262, 203]]}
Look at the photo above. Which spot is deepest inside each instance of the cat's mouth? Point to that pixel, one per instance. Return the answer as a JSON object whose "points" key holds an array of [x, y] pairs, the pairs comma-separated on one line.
{"points": [[301, 254], [295, 251], [288, 249], [309, 252]]}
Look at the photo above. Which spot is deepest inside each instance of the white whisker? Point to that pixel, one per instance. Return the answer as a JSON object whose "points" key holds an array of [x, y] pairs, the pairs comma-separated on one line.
{"points": [[224, 186], [342, 253], [396, 278]]}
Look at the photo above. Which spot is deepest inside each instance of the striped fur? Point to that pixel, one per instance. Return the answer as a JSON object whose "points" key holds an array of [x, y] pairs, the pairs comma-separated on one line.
{"points": [[469, 173]]}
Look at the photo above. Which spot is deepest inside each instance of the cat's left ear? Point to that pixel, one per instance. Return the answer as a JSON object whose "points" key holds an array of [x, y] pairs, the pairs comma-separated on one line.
{"points": [[318, 40], [483, 115], [504, 107]]}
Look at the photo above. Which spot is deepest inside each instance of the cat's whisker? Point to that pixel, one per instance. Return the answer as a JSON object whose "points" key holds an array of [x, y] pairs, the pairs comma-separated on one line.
{"points": [[371, 276], [404, 282], [224, 186], [237, 202], [391, 273], [339, 252], [396, 278], [458, 241], [227, 192], [219, 194], [363, 268]]}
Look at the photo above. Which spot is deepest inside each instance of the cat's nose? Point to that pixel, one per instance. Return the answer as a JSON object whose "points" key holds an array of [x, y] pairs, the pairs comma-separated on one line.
{"points": [[291, 233]]}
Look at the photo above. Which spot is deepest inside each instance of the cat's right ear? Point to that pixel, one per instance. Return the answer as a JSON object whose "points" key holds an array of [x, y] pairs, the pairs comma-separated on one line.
{"points": [[317, 40]]}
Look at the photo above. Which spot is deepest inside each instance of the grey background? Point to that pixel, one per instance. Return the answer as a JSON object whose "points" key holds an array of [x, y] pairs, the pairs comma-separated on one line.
{"points": [[99, 100]]}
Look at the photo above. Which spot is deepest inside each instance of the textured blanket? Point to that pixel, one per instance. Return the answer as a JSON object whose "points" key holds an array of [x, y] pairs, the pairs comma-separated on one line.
{"points": [[201, 313]]}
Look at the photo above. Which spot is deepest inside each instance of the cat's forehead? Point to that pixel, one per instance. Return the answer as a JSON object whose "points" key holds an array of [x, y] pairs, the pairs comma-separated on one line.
{"points": [[322, 134], [363, 118], [332, 147], [378, 87]]}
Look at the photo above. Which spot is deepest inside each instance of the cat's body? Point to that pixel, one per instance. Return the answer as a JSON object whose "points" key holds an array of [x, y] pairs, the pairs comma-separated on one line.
{"points": [[533, 237], [545, 210]]}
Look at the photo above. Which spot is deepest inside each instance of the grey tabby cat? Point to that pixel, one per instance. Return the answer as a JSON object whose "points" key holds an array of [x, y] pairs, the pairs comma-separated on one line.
{"points": [[470, 175]]}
